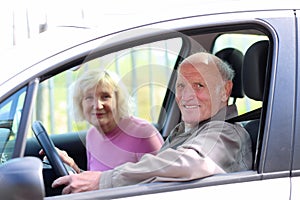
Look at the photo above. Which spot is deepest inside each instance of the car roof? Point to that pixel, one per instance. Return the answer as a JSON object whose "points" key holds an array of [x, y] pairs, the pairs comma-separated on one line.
{"points": [[63, 37]]}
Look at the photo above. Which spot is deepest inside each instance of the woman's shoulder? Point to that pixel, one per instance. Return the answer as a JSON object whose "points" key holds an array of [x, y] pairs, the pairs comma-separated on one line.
{"points": [[135, 125], [92, 131], [137, 121]]}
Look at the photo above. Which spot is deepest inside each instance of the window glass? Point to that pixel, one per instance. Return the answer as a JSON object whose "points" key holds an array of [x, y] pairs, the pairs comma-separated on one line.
{"points": [[145, 71], [10, 115], [240, 42]]}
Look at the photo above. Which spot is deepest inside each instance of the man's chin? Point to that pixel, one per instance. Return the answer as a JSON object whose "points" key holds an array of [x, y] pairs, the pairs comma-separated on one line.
{"points": [[191, 121]]}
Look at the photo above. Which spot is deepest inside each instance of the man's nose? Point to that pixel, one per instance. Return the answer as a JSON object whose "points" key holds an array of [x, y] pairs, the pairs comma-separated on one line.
{"points": [[188, 93]]}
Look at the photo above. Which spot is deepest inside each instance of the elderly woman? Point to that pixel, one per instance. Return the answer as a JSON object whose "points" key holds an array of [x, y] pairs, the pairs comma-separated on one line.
{"points": [[116, 136]]}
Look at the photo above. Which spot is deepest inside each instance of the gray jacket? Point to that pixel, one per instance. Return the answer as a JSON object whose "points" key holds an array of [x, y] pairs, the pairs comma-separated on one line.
{"points": [[213, 147]]}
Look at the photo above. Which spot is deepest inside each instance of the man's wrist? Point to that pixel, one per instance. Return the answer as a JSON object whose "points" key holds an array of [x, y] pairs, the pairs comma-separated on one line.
{"points": [[106, 179]]}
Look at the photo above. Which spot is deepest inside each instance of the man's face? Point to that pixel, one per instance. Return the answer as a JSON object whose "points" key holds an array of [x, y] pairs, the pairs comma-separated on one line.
{"points": [[200, 91]]}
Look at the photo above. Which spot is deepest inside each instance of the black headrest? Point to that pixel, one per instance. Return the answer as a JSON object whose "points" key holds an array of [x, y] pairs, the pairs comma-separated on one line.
{"points": [[254, 70], [235, 59]]}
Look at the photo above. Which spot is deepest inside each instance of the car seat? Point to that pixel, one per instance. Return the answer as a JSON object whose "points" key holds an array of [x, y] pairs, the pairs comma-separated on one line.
{"points": [[253, 83], [253, 76]]}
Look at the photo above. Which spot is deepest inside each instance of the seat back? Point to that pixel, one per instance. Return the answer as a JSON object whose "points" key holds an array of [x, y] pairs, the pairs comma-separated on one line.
{"points": [[254, 70], [235, 59], [253, 76]]}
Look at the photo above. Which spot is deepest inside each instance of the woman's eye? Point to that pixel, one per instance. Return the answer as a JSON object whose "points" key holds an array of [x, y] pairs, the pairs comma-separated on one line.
{"points": [[89, 98], [105, 96]]}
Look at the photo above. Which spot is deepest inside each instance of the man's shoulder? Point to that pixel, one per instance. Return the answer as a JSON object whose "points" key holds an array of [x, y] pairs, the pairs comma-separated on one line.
{"points": [[221, 126]]}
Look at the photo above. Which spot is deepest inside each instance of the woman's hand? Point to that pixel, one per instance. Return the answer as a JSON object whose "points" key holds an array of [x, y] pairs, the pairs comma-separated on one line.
{"points": [[65, 158]]}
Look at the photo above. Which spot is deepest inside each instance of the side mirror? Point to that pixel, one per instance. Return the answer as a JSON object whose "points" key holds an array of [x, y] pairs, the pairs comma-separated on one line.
{"points": [[22, 178]]}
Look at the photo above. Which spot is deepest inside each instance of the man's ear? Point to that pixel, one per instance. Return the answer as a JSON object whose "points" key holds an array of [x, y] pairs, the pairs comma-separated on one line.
{"points": [[228, 88]]}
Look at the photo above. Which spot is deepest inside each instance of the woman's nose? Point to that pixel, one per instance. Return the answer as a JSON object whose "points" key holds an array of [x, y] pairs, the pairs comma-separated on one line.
{"points": [[98, 104]]}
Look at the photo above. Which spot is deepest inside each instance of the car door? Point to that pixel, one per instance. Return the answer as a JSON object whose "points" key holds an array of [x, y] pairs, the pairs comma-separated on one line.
{"points": [[295, 194], [270, 177]]}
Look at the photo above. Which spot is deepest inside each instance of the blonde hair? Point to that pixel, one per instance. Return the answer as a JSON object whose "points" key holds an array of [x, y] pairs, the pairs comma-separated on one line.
{"points": [[92, 78]]}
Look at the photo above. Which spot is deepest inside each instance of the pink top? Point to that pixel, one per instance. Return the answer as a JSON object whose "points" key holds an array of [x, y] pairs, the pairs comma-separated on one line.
{"points": [[126, 143]]}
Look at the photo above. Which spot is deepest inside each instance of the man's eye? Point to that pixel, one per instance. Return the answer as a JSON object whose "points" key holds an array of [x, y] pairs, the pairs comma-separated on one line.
{"points": [[198, 85], [180, 85]]}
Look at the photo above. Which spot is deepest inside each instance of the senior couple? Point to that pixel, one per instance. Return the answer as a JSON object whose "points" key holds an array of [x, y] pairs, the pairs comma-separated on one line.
{"points": [[201, 145]]}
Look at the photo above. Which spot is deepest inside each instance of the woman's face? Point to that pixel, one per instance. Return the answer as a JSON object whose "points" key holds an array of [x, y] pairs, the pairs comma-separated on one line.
{"points": [[100, 108]]}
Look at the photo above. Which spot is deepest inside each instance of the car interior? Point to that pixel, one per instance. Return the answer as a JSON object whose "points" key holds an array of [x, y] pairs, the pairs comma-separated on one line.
{"points": [[246, 50]]}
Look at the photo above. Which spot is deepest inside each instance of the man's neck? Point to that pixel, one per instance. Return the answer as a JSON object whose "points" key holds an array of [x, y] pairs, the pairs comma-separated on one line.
{"points": [[188, 127]]}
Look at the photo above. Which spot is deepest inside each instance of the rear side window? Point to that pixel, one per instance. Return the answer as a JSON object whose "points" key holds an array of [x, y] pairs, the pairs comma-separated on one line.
{"points": [[241, 42]]}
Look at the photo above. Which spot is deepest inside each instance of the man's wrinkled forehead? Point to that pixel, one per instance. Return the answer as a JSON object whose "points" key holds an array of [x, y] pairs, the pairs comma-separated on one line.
{"points": [[200, 64], [198, 59], [188, 70], [197, 67], [202, 57]]}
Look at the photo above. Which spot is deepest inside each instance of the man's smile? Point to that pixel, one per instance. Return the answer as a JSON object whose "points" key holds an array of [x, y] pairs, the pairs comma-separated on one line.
{"points": [[191, 106]]}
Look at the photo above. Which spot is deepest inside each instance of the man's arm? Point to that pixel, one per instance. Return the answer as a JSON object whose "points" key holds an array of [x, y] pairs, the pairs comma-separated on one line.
{"points": [[216, 148], [170, 165]]}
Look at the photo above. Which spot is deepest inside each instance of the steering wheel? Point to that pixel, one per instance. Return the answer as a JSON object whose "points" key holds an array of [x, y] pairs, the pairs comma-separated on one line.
{"points": [[49, 149]]}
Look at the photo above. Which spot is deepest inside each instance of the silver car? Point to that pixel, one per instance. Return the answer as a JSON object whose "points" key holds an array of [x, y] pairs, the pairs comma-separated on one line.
{"points": [[259, 39]]}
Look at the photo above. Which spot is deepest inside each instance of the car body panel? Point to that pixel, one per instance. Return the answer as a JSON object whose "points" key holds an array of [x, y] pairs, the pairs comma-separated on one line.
{"points": [[280, 189], [295, 180], [296, 159], [295, 194], [267, 189], [282, 65]]}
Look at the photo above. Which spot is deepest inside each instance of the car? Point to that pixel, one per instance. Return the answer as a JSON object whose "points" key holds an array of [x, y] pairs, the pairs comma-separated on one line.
{"points": [[260, 40]]}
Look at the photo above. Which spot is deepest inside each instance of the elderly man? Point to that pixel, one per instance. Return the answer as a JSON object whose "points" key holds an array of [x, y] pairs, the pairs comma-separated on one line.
{"points": [[201, 145]]}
